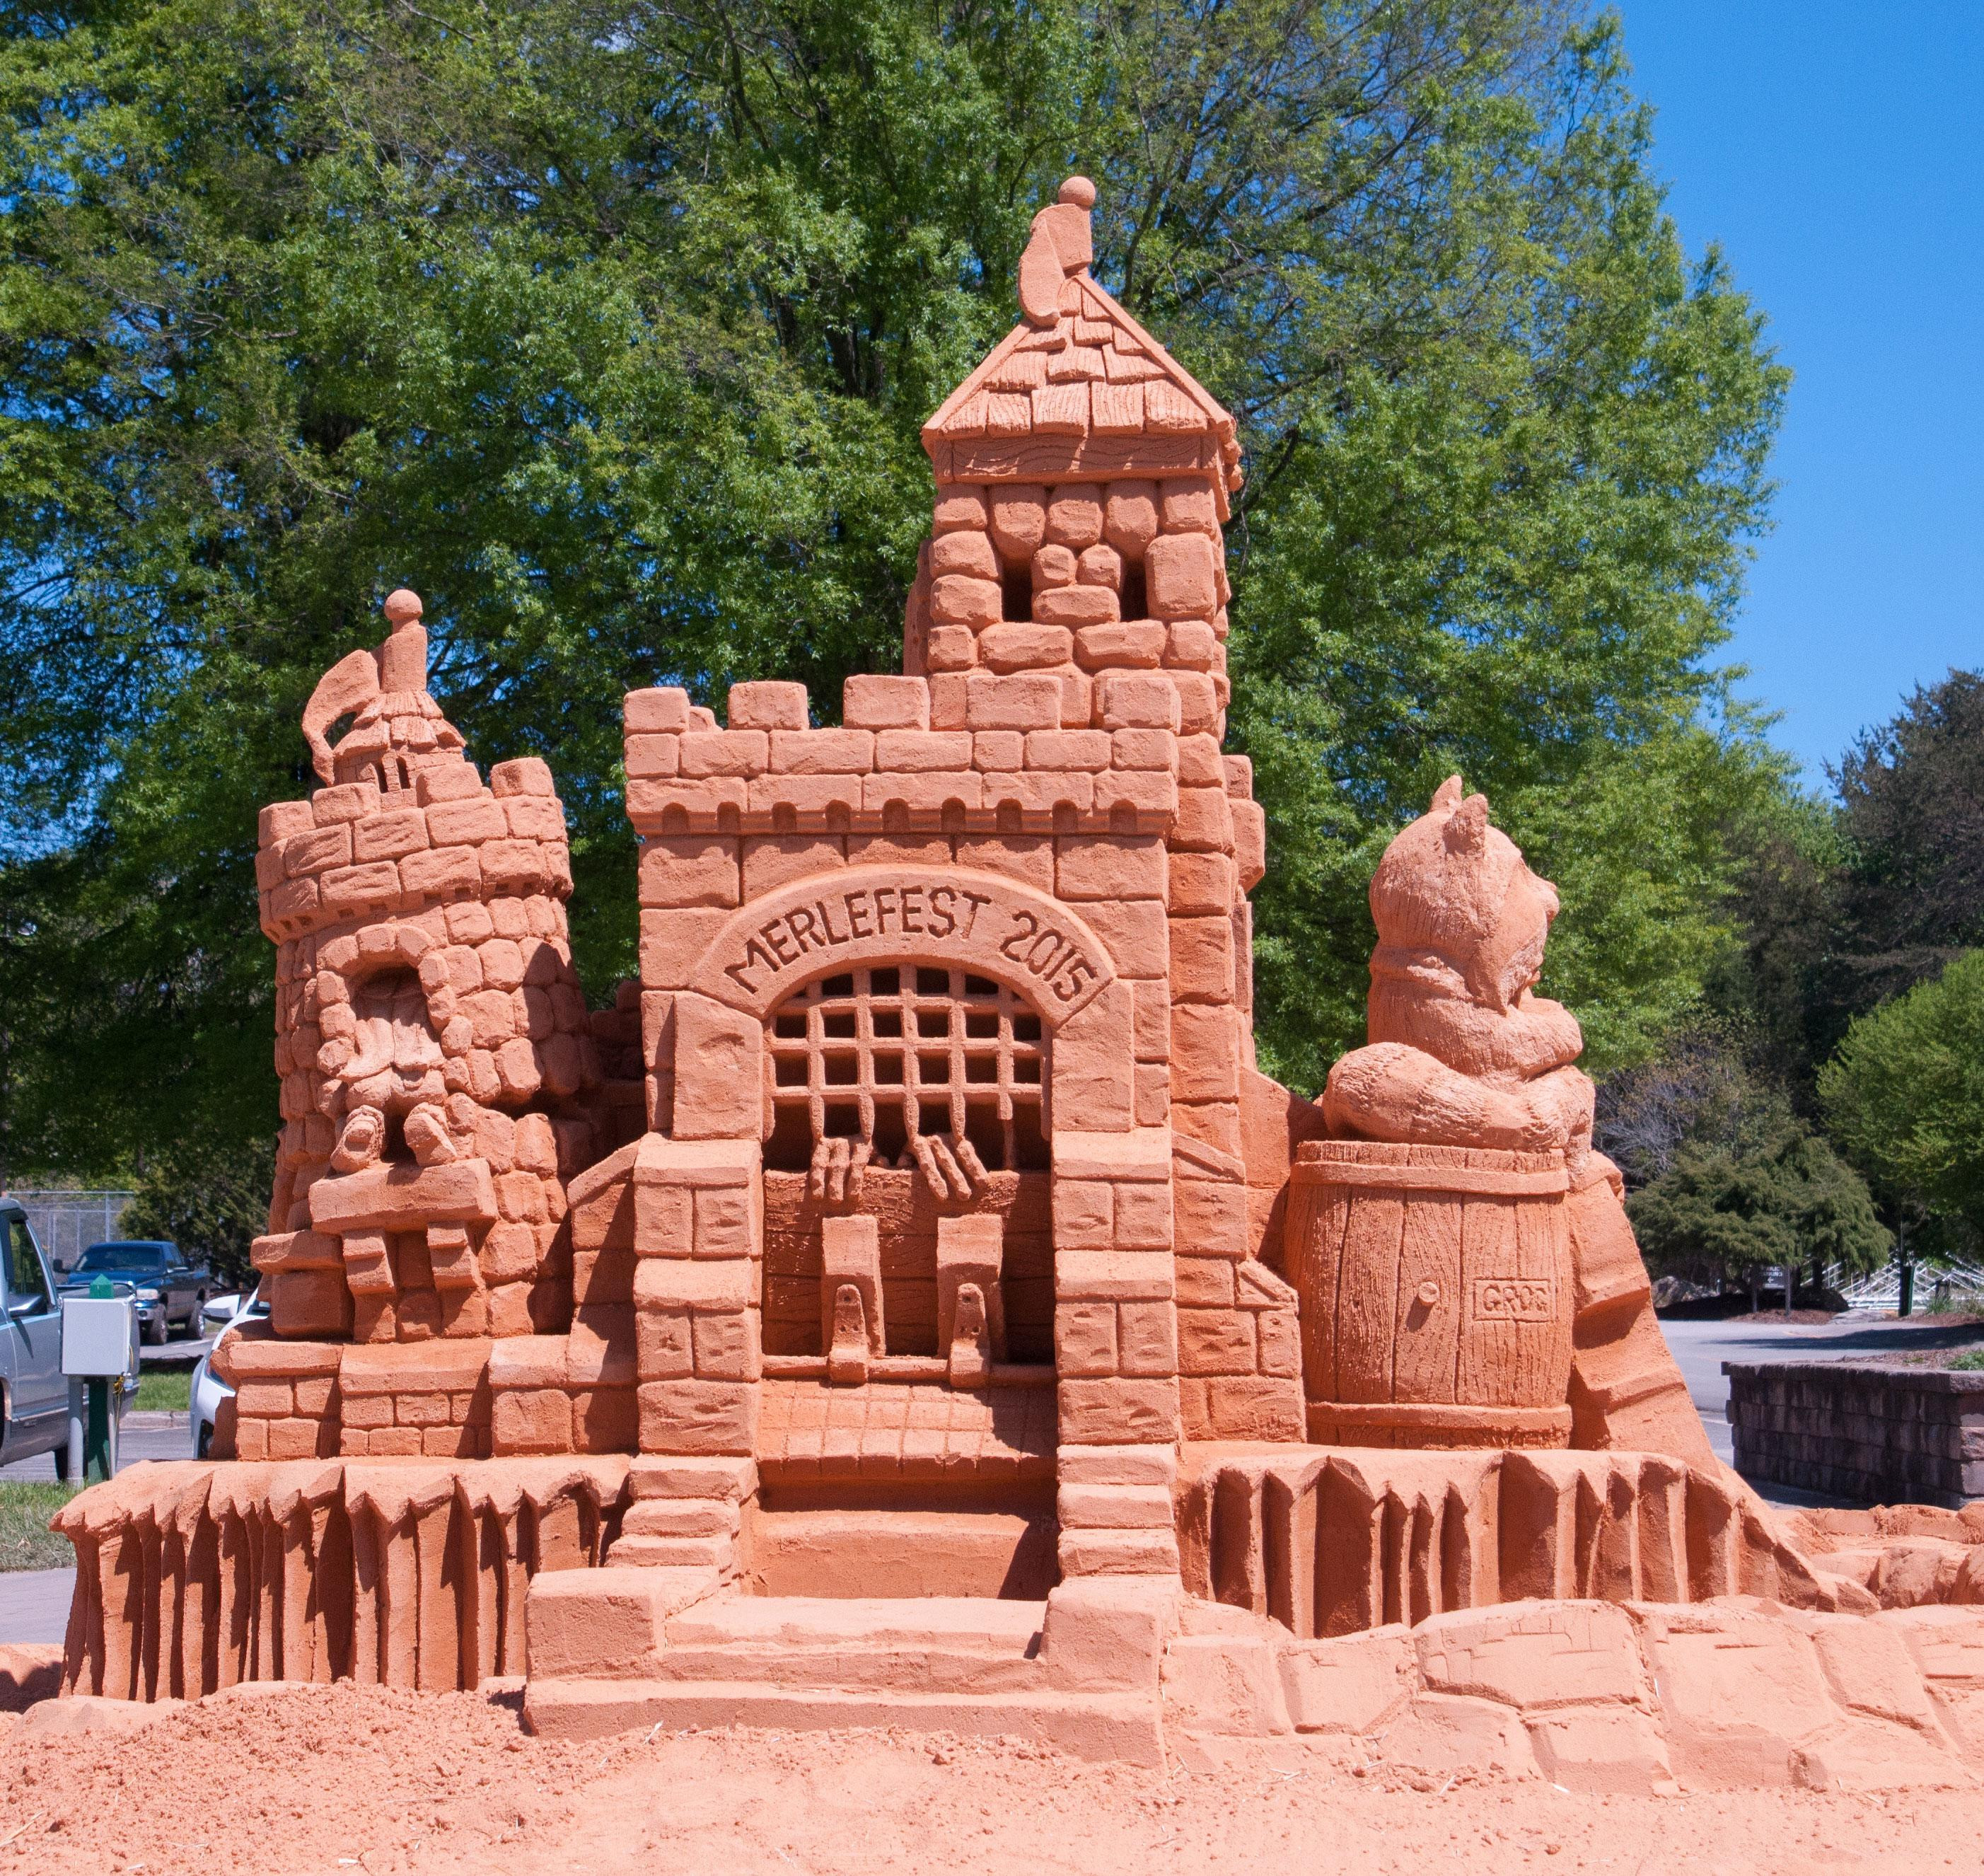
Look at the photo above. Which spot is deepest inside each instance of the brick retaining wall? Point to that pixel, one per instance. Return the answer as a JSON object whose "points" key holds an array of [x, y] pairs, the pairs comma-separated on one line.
{"points": [[1874, 1435]]}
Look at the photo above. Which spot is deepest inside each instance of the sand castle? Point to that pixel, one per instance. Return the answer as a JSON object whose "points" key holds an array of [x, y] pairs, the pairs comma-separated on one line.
{"points": [[908, 1302]]}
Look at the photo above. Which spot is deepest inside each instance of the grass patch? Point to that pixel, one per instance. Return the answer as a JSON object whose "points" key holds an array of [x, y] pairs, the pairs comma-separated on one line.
{"points": [[1954, 1303], [165, 1390], [26, 1542], [1969, 1362]]}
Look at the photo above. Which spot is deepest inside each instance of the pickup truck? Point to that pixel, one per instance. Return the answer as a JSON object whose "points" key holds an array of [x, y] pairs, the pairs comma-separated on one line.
{"points": [[34, 1394], [168, 1288]]}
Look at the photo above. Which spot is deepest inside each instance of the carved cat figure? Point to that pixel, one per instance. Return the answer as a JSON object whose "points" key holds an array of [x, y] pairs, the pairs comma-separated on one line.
{"points": [[1462, 1052]]}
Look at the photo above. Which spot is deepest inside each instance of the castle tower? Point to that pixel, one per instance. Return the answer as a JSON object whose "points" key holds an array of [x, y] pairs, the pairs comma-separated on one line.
{"points": [[1083, 477], [946, 1193], [440, 1067]]}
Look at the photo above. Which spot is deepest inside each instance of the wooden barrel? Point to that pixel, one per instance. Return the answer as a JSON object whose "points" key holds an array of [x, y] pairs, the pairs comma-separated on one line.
{"points": [[1436, 1294]]}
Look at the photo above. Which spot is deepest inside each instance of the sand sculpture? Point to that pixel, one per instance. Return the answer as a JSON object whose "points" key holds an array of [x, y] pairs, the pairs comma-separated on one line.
{"points": [[908, 1300], [1524, 1305]]}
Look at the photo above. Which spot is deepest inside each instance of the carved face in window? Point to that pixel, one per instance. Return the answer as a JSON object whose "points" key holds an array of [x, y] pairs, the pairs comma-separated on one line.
{"points": [[397, 1062]]}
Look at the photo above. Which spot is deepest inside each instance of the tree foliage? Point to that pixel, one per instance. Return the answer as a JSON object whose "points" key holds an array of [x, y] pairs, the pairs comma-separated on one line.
{"points": [[611, 329], [1699, 1086], [1904, 1095], [1834, 1008], [1845, 903], [1719, 1214], [1725, 1179], [1912, 815], [213, 1204]]}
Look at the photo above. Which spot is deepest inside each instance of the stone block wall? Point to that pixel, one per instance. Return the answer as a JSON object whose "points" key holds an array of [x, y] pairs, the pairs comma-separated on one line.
{"points": [[1870, 1435], [1104, 791], [566, 1393], [1239, 1340], [1116, 1350], [286, 1403], [297, 1400], [429, 1400]]}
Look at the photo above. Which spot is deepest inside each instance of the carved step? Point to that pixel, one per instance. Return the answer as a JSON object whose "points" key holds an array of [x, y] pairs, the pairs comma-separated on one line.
{"points": [[981, 1623], [927, 1555], [933, 1644], [612, 1650], [1098, 1727]]}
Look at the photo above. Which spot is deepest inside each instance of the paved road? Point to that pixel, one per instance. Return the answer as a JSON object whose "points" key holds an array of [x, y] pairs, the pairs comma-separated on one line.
{"points": [[34, 1605], [1700, 1348], [145, 1436]]}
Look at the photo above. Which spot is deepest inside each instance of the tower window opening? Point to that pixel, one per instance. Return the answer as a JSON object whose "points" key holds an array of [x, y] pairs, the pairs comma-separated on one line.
{"points": [[1135, 602], [1016, 595]]}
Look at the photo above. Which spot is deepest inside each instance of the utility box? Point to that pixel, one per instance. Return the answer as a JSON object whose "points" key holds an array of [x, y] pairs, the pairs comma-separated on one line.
{"points": [[99, 1335]]}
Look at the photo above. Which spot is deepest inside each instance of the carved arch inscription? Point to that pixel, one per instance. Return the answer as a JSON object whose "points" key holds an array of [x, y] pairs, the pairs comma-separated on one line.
{"points": [[952, 915]]}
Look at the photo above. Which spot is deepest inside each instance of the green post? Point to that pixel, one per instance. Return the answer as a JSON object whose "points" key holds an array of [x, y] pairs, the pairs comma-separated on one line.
{"points": [[96, 1438]]}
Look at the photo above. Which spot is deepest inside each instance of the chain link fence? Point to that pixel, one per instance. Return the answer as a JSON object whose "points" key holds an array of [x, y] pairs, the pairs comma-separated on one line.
{"points": [[65, 1224]]}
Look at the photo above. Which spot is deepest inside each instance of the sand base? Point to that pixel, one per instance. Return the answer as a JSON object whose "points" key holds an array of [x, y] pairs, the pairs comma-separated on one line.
{"points": [[380, 1779]]}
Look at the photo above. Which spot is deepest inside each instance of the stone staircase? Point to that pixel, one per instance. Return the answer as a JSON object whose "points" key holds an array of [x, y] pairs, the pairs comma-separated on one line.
{"points": [[613, 1649]]}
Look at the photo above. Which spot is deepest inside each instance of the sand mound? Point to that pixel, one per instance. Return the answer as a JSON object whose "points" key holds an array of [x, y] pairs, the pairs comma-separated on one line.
{"points": [[370, 1779]]}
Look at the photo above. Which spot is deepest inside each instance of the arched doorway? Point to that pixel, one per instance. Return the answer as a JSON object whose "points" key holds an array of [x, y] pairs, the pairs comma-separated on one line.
{"points": [[914, 1096]]}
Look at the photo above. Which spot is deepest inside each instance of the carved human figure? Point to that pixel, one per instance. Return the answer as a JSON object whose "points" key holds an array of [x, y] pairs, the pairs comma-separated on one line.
{"points": [[397, 727], [395, 1072]]}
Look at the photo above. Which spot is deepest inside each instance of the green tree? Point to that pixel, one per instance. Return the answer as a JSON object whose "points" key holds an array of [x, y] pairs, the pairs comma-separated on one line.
{"points": [[1725, 1179], [1789, 851], [1722, 1214], [611, 330], [1907, 894], [1904, 1095], [1844, 905], [212, 1206]]}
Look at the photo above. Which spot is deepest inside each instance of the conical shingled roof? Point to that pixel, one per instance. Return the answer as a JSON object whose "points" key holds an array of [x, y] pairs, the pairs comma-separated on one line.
{"points": [[1084, 390]]}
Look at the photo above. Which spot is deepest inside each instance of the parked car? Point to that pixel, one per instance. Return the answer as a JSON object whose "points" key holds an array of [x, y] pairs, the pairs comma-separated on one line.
{"points": [[208, 1390], [34, 1392], [169, 1288], [221, 1311]]}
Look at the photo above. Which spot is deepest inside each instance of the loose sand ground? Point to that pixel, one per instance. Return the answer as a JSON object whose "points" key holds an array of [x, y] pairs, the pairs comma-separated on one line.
{"points": [[370, 1780]]}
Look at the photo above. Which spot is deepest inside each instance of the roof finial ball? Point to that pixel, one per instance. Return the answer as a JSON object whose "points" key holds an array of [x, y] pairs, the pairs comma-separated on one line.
{"points": [[1058, 248], [403, 607]]}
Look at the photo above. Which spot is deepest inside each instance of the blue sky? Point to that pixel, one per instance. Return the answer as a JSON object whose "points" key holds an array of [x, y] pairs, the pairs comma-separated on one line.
{"points": [[1834, 149]]}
